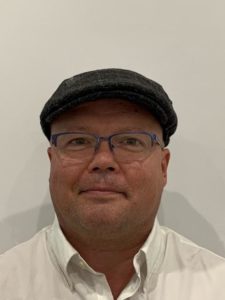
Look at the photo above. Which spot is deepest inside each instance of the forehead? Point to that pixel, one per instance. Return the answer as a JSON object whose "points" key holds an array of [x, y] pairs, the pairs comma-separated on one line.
{"points": [[114, 110]]}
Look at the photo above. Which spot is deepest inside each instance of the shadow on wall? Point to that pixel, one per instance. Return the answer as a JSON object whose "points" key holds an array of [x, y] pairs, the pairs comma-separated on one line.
{"points": [[176, 213], [22, 226]]}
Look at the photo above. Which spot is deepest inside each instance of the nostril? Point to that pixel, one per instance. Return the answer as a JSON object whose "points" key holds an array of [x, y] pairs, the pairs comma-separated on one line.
{"points": [[97, 169]]}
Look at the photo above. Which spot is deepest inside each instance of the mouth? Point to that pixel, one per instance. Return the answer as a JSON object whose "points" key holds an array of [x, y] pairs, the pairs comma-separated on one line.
{"points": [[101, 192], [105, 191]]}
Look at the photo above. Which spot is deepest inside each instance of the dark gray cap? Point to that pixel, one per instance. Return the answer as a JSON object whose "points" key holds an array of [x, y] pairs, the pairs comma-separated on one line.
{"points": [[111, 83]]}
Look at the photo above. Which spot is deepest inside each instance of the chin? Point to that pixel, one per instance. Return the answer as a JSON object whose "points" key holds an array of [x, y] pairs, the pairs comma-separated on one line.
{"points": [[101, 220]]}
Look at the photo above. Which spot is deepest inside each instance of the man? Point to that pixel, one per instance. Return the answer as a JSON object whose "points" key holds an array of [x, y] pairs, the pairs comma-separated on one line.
{"points": [[108, 131]]}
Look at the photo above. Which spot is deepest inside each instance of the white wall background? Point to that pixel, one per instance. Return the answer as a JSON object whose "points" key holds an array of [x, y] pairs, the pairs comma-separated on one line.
{"points": [[179, 43]]}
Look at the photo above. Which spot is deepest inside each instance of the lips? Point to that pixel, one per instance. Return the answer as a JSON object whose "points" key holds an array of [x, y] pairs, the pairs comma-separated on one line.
{"points": [[101, 190]]}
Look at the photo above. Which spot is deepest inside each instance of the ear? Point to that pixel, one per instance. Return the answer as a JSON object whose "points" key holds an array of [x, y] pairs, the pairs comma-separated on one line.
{"points": [[49, 151], [165, 163]]}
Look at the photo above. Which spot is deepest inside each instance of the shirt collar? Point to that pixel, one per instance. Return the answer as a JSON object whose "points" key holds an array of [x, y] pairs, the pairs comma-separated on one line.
{"points": [[146, 261], [150, 256], [153, 249], [60, 250]]}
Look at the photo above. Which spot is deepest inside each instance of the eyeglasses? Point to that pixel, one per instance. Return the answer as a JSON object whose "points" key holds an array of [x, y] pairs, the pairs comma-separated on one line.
{"points": [[125, 146]]}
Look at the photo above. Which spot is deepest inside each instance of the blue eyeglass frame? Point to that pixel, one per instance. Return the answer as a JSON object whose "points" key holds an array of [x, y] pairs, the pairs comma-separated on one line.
{"points": [[99, 139]]}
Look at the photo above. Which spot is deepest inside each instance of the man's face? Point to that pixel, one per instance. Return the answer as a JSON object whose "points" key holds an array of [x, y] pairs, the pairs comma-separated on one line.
{"points": [[103, 196]]}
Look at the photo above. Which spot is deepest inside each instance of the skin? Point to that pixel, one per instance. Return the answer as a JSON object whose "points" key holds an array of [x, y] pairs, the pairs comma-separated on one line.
{"points": [[106, 209]]}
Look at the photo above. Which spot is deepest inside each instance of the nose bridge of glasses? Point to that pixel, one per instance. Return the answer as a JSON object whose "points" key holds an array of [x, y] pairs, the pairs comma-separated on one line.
{"points": [[106, 139]]}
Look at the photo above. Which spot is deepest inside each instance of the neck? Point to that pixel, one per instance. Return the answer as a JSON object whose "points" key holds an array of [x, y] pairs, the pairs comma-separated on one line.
{"points": [[112, 257], [116, 265]]}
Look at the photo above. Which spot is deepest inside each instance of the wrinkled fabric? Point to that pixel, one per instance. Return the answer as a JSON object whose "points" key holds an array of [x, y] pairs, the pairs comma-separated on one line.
{"points": [[167, 267]]}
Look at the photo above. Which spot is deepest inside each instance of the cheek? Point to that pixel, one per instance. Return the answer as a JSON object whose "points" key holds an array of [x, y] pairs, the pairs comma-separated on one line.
{"points": [[64, 190], [145, 181], [63, 179]]}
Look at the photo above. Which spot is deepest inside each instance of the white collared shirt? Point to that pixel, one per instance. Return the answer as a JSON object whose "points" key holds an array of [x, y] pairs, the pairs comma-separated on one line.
{"points": [[167, 267]]}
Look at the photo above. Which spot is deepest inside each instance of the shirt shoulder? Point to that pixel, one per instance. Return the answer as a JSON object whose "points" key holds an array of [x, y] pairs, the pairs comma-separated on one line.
{"points": [[188, 250], [187, 264], [18, 264], [24, 249]]}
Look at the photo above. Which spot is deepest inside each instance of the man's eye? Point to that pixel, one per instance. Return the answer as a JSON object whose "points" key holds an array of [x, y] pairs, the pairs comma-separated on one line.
{"points": [[131, 142], [79, 141]]}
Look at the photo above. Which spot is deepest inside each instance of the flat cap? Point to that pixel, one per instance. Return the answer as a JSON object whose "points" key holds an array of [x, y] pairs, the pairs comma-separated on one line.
{"points": [[111, 83]]}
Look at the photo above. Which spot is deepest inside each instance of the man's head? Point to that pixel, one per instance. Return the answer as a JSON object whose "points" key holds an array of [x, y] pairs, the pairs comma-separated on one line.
{"points": [[109, 186]]}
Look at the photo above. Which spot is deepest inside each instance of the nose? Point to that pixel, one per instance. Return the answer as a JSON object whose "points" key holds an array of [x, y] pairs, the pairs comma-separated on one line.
{"points": [[103, 159]]}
